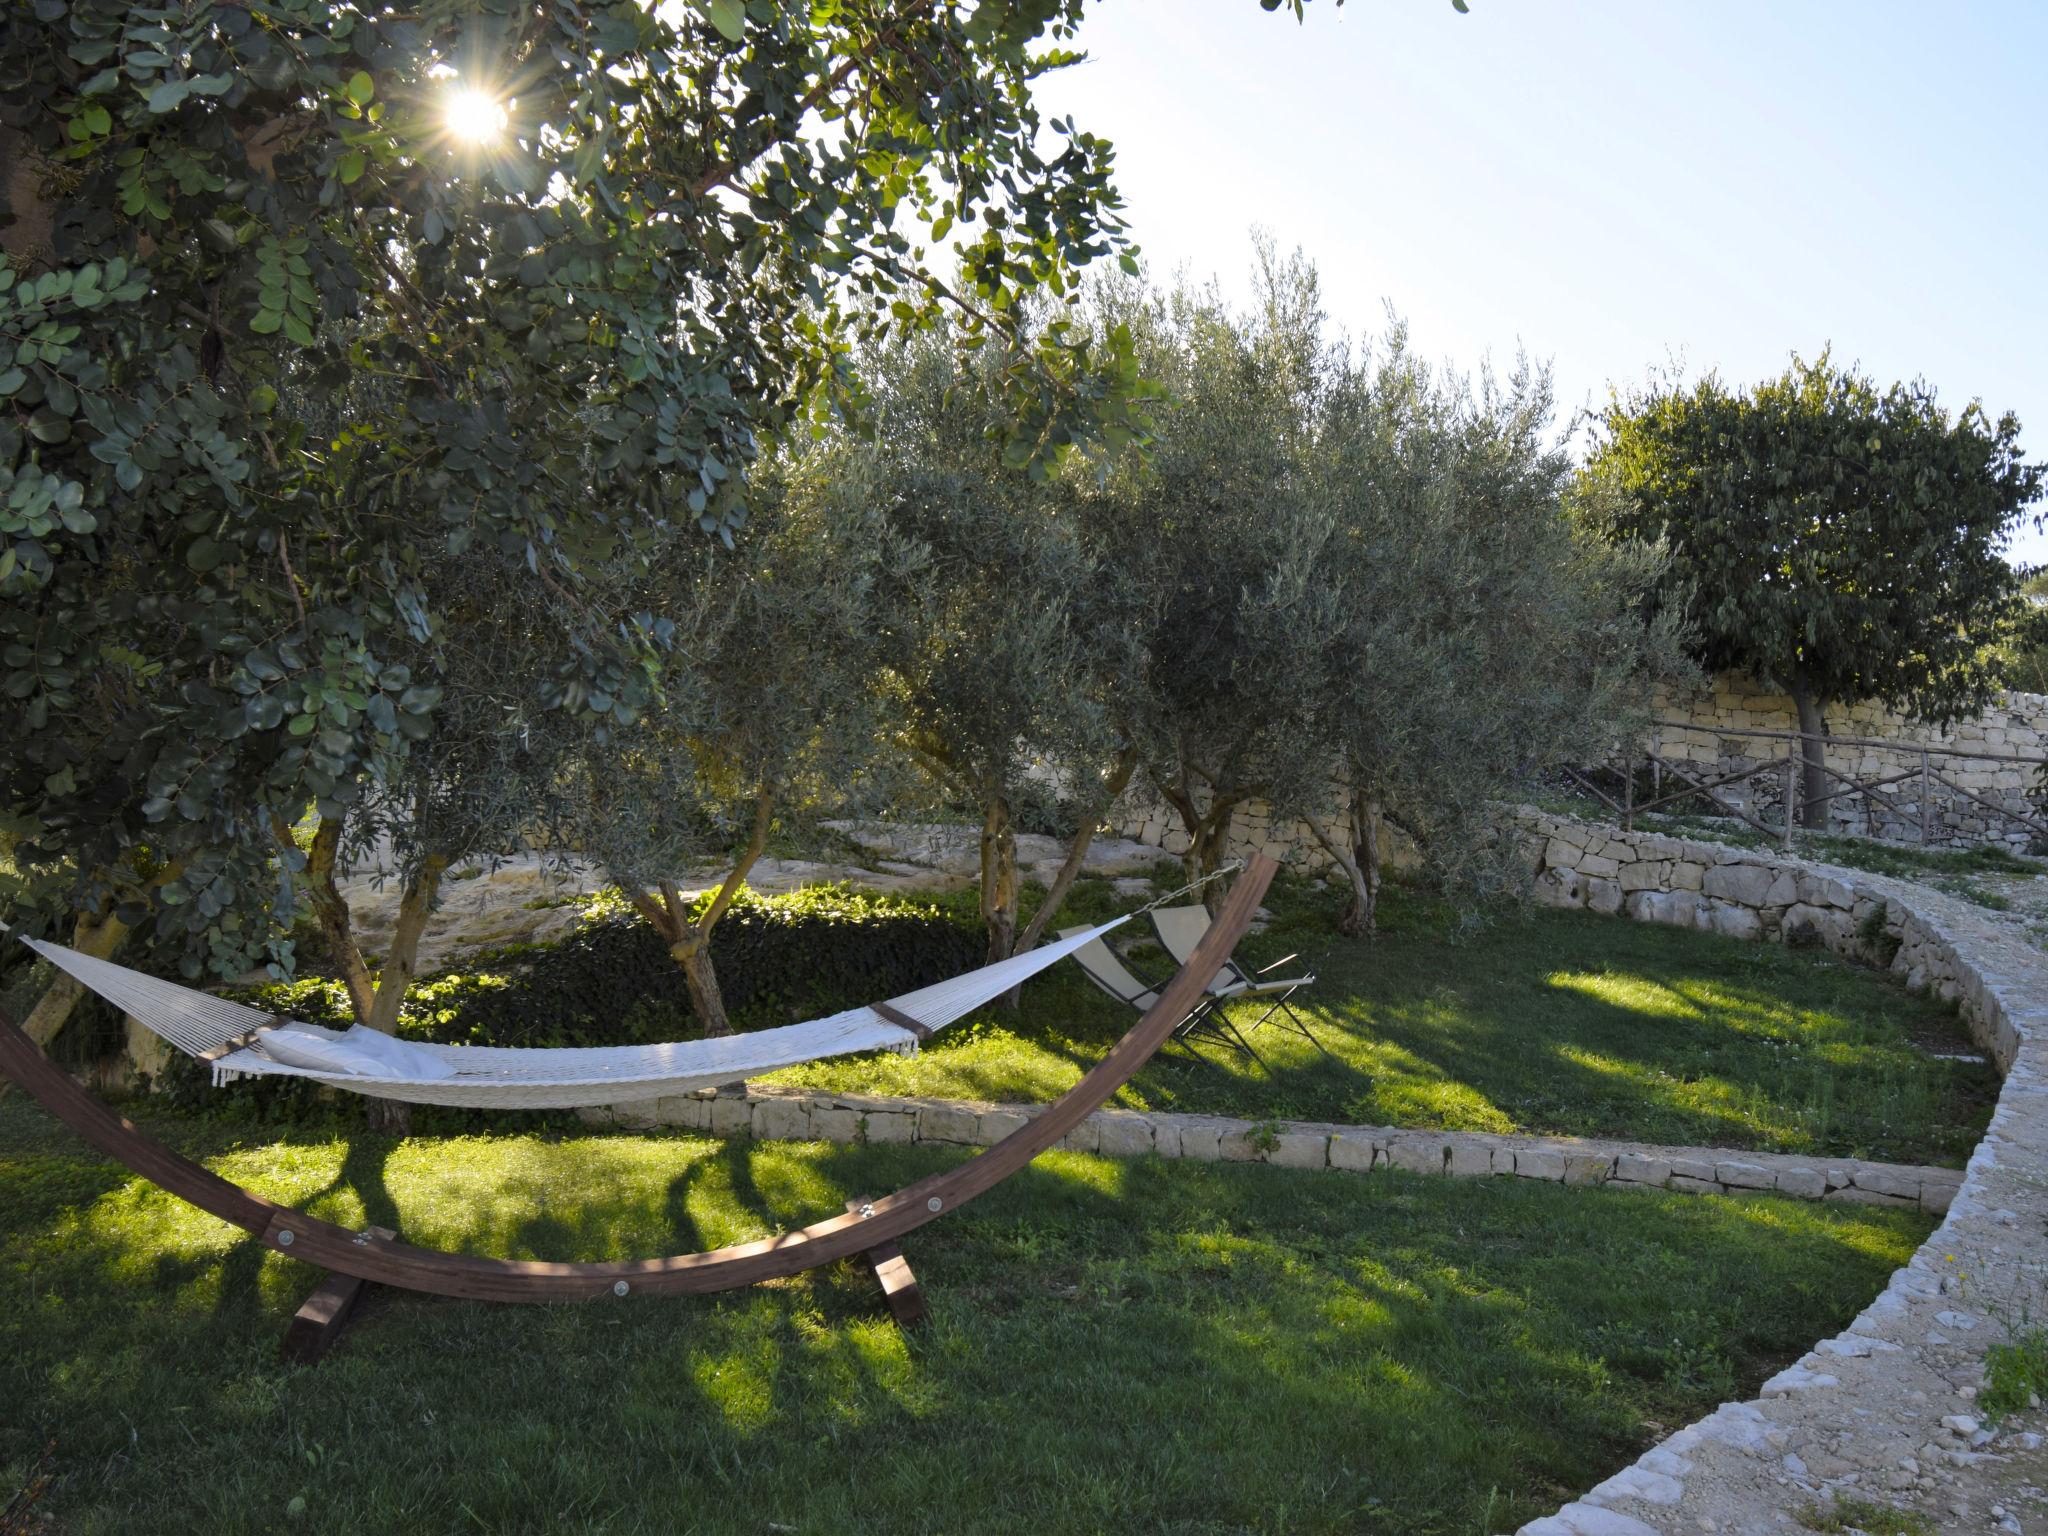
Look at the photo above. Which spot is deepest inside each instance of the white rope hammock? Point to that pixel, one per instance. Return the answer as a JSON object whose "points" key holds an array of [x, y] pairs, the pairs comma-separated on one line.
{"points": [[233, 1036]]}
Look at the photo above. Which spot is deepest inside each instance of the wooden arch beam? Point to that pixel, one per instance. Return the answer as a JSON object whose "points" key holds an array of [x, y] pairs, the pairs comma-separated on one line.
{"points": [[371, 1256]]}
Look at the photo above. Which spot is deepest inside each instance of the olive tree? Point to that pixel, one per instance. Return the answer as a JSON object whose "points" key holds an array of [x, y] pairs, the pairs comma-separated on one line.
{"points": [[773, 724], [1211, 543], [1480, 639], [1841, 541], [1000, 647], [478, 787]]}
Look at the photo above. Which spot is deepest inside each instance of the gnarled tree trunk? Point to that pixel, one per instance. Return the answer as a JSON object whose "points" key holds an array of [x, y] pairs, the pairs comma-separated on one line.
{"points": [[999, 879], [1115, 784], [689, 939], [95, 934], [1813, 785], [331, 912], [1357, 853], [375, 1000], [1208, 829], [693, 954]]}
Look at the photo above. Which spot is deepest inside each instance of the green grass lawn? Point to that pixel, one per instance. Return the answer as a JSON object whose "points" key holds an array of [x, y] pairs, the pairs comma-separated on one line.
{"points": [[1553, 1022], [1138, 1346]]}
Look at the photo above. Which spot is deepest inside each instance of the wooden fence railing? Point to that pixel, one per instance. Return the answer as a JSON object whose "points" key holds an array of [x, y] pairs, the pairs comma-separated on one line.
{"points": [[1909, 794]]}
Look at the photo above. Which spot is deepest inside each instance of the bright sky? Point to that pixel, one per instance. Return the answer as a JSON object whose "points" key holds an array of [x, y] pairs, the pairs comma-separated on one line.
{"points": [[1611, 186]]}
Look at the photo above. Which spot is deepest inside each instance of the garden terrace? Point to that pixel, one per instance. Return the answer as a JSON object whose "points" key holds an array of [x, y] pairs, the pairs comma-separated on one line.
{"points": [[1554, 1023]]}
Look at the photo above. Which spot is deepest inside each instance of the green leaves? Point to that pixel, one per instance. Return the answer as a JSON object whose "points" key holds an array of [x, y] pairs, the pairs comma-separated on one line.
{"points": [[371, 386], [728, 16], [1793, 511], [285, 295]]}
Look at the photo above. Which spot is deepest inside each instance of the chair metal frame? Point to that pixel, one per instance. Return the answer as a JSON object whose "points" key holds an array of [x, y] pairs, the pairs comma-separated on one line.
{"points": [[1180, 934]]}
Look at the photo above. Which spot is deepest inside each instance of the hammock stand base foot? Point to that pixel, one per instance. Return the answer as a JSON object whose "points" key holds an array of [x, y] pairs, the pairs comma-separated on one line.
{"points": [[324, 1314], [893, 1274]]}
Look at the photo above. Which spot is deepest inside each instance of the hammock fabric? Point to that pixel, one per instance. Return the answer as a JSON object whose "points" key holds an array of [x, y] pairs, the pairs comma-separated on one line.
{"points": [[232, 1036]]}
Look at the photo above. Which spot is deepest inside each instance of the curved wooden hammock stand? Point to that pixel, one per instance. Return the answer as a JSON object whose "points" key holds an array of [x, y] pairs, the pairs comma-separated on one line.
{"points": [[868, 1227]]}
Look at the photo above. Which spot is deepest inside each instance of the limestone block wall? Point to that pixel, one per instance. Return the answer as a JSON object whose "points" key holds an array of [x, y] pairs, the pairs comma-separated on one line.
{"points": [[1885, 1411], [1705, 720], [1254, 828], [772, 1113], [1699, 739]]}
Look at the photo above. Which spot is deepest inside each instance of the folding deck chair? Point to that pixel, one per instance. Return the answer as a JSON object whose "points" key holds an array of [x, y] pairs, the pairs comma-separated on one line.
{"points": [[1180, 929], [1101, 965]]}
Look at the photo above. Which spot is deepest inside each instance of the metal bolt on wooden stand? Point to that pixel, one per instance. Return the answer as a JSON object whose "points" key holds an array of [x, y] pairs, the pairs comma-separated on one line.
{"points": [[892, 1272], [324, 1314]]}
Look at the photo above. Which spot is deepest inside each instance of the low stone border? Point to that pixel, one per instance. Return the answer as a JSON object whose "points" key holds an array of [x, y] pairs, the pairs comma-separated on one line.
{"points": [[786, 1114]]}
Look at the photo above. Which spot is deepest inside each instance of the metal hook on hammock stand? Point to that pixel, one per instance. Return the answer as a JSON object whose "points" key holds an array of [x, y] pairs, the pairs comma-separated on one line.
{"points": [[1193, 885]]}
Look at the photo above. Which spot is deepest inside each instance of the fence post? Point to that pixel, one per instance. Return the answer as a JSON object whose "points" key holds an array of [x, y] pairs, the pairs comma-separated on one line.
{"points": [[1791, 767], [1926, 794]]}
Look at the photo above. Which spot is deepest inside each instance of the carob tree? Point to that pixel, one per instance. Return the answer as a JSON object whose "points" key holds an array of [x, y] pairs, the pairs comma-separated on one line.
{"points": [[299, 300]]}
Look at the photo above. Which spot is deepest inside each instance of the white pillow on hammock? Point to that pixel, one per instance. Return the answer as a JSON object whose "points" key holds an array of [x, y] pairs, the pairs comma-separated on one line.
{"points": [[358, 1053]]}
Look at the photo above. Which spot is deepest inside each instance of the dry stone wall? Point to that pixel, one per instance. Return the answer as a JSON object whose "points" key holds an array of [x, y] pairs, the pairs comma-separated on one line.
{"points": [[1699, 736], [1884, 1412], [1704, 735], [1254, 828], [794, 1114]]}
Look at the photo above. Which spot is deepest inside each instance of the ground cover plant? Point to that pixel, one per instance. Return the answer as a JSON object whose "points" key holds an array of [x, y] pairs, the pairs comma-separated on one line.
{"points": [[1128, 1345], [1555, 1022]]}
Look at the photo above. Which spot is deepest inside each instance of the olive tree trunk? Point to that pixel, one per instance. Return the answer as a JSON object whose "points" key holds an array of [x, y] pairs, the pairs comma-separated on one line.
{"points": [[999, 893], [1355, 849], [1208, 829], [688, 938], [1113, 785], [95, 934]]}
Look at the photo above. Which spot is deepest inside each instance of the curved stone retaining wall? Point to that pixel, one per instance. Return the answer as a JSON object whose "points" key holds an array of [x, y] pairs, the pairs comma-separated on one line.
{"points": [[1883, 1412], [795, 1114]]}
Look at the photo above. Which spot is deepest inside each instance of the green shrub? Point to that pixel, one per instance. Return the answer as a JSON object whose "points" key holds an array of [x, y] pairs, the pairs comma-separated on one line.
{"points": [[1879, 942]]}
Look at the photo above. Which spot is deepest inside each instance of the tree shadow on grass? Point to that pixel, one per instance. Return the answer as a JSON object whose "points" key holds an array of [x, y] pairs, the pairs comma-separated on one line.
{"points": [[1113, 1345]]}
